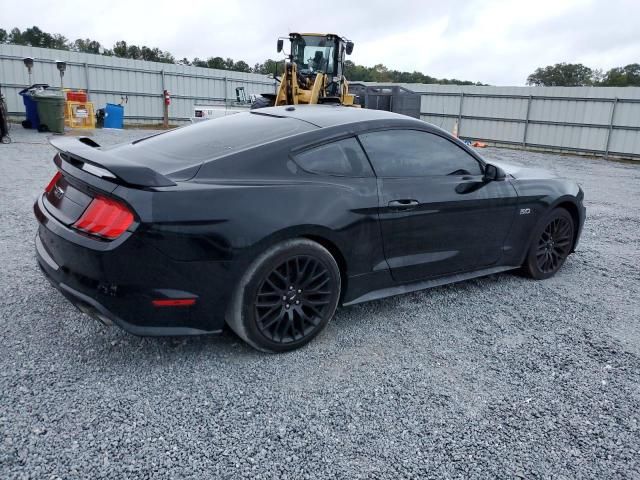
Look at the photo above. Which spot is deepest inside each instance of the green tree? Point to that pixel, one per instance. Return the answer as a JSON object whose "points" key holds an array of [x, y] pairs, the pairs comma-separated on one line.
{"points": [[623, 76], [59, 42], [268, 67], [35, 37], [241, 66], [216, 62], [134, 52], [87, 46], [120, 49], [562, 75]]}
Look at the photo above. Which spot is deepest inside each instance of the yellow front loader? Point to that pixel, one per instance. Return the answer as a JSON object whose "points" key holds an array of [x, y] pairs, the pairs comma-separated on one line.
{"points": [[313, 72]]}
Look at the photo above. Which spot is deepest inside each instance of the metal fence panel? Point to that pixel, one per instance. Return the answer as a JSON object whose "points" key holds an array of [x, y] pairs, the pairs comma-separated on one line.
{"points": [[443, 105], [570, 111], [495, 107], [588, 140], [445, 123], [627, 114], [591, 120], [600, 120], [109, 79], [509, 132], [625, 142]]}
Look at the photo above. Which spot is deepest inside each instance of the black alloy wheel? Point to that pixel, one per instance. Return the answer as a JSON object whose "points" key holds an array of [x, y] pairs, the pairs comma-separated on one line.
{"points": [[551, 245], [286, 296], [554, 244], [293, 299]]}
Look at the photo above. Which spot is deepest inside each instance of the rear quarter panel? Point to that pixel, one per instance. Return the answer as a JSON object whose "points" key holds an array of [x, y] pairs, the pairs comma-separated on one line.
{"points": [[239, 205]]}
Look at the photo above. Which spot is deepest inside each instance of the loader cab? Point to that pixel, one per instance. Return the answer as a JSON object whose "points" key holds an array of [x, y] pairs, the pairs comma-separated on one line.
{"points": [[316, 53], [313, 72]]}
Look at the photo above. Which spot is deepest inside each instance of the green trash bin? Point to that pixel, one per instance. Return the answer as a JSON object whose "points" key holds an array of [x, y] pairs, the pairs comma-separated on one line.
{"points": [[50, 110]]}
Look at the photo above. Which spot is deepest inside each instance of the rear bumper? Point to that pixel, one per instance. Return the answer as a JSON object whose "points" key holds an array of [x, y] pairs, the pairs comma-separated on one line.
{"points": [[116, 282]]}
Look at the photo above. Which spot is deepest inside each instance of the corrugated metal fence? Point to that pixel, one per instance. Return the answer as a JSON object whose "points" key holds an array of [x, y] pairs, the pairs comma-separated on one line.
{"points": [[109, 78], [591, 120]]}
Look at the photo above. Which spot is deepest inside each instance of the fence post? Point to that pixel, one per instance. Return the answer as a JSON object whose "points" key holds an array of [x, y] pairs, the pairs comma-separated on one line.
{"points": [[460, 114], [526, 122], [613, 111], [165, 107], [86, 78], [226, 89]]}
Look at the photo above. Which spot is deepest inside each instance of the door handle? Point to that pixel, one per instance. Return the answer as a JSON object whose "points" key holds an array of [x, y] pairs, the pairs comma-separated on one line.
{"points": [[404, 204]]}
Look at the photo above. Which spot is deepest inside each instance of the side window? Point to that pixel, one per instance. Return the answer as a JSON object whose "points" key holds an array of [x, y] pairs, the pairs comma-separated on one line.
{"points": [[344, 158], [412, 153]]}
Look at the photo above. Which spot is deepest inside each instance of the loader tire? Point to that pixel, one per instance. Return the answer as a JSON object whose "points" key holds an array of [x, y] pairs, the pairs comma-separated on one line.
{"points": [[262, 102]]}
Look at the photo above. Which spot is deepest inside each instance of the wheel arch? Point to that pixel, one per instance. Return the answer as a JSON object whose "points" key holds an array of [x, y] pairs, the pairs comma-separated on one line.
{"points": [[337, 254], [316, 233], [570, 206]]}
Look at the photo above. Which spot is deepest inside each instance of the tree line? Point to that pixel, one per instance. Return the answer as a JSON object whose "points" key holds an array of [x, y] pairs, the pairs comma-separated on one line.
{"points": [[579, 75], [35, 37], [560, 74]]}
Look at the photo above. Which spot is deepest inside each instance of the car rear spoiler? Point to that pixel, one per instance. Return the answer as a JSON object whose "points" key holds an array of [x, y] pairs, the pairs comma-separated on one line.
{"points": [[85, 154]]}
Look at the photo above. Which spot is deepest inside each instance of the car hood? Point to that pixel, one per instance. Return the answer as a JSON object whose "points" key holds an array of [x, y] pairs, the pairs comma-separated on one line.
{"points": [[519, 172]]}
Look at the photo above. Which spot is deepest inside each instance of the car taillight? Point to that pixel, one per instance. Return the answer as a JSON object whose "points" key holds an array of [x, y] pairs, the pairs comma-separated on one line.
{"points": [[105, 218], [53, 182]]}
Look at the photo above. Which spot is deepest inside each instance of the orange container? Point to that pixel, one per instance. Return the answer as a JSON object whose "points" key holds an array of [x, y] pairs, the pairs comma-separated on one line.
{"points": [[77, 96]]}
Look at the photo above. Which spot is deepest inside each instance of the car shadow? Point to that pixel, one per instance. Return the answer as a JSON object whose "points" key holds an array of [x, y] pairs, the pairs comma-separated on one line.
{"points": [[123, 348]]}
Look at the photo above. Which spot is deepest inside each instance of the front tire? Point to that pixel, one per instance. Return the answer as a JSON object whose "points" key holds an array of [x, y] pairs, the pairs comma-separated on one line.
{"points": [[551, 245], [286, 297], [262, 102]]}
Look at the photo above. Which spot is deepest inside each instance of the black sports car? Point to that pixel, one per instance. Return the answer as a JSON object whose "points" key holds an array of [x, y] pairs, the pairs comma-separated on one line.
{"points": [[269, 219]]}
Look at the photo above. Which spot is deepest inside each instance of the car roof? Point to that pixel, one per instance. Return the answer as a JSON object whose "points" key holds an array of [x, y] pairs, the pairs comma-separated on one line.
{"points": [[323, 116]]}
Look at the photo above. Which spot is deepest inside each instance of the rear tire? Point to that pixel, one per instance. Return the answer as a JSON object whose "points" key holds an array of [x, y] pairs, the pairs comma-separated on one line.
{"points": [[262, 102], [550, 246], [286, 297]]}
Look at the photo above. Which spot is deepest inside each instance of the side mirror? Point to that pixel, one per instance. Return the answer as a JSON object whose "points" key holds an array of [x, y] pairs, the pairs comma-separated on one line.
{"points": [[349, 47], [280, 45], [493, 173]]}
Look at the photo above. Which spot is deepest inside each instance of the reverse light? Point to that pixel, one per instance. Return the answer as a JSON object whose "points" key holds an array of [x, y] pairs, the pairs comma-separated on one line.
{"points": [[52, 182], [105, 218]]}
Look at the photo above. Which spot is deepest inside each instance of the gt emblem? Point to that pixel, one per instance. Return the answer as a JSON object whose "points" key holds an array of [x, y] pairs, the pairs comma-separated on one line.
{"points": [[525, 211], [58, 192]]}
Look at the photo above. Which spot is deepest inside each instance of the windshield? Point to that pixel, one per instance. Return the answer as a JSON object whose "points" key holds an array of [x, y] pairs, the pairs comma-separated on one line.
{"points": [[313, 54]]}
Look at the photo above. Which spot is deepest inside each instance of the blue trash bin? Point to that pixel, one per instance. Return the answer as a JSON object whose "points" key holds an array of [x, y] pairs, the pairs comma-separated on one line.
{"points": [[30, 105], [113, 116]]}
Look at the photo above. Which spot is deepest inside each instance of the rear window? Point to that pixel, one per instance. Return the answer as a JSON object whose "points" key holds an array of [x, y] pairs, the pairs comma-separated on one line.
{"points": [[343, 158], [188, 146]]}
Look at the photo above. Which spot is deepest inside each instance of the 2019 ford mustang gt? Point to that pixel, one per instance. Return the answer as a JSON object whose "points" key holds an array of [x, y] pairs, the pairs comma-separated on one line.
{"points": [[270, 219]]}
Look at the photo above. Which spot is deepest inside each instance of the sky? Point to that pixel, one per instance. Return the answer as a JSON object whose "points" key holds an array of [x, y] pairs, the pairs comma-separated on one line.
{"points": [[492, 41]]}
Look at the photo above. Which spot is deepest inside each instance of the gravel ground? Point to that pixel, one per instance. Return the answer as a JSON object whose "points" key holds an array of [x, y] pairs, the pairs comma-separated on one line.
{"points": [[496, 377]]}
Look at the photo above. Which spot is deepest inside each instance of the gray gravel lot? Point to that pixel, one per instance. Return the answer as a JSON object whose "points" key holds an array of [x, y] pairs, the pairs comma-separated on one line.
{"points": [[496, 377]]}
